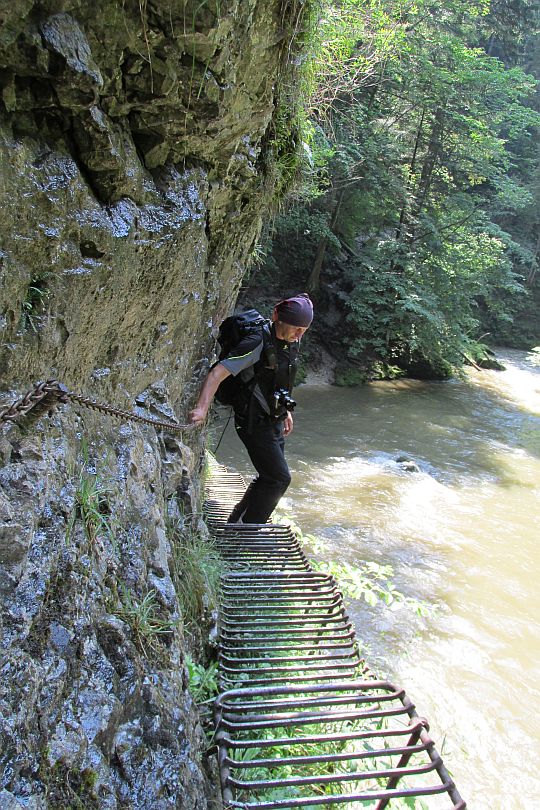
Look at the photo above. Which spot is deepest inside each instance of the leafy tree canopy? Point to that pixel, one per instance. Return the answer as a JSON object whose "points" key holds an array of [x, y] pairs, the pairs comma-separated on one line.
{"points": [[420, 212]]}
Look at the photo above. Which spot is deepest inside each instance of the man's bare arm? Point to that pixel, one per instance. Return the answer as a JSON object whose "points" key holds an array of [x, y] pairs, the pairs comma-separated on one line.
{"points": [[215, 376]]}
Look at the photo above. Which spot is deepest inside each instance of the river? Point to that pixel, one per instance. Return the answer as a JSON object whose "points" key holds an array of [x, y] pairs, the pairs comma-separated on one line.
{"points": [[461, 534]]}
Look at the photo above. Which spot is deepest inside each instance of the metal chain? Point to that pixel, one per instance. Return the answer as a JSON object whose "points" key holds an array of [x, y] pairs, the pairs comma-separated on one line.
{"points": [[50, 392]]}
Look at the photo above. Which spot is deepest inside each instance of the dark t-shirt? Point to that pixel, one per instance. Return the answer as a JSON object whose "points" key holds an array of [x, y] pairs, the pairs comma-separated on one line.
{"points": [[283, 348], [248, 352]]}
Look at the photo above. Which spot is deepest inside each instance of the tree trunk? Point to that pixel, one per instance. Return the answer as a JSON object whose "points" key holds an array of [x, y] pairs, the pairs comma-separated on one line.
{"points": [[314, 278], [532, 271], [412, 167], [430, 161]]}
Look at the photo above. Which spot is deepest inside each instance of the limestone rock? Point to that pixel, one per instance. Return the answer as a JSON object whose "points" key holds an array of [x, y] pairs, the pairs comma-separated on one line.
{"points": [[133, 175]]}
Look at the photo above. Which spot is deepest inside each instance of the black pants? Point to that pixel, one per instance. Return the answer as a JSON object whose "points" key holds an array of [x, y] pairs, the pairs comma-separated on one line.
{"points": [[266, 447]]}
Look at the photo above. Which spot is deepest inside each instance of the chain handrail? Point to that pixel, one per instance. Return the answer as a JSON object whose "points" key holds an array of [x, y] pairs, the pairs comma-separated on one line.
{"points": [[50, 392]]}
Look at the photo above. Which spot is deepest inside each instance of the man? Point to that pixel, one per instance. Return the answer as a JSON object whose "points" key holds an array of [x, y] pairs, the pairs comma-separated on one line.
{"points": [[262, 420]]}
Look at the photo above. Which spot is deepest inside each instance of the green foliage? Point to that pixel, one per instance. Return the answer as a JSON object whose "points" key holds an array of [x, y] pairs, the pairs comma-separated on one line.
{"points": [[290, 133], [382, 371], [196, 570], [428, 211], [143, 616], [303, 223], [320, 749], [91, 506], [429, 304], [348, 376], [301, 372], [34, 302], [203, 683], [371, 583], [68, 788], [286, 158]]}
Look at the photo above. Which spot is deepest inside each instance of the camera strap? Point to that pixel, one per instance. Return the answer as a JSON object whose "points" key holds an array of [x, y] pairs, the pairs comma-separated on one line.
{"points": [[294, 350], [261, 399], [262, 378]]}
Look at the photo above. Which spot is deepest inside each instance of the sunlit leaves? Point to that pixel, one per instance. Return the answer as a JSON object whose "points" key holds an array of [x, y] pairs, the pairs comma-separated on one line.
{"points": [[428, 136], [432, 142]]}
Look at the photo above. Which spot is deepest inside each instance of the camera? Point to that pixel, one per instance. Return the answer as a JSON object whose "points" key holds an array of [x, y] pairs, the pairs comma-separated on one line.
{"points": [[281, 397]]}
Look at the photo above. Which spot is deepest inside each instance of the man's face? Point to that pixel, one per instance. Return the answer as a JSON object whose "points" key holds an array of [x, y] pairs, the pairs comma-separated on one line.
{"points": [[291, 333], [285, 331]]}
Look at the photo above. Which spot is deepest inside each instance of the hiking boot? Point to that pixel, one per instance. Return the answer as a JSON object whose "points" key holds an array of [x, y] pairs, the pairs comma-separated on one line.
{"points": [[236, 514], [241, 507]]}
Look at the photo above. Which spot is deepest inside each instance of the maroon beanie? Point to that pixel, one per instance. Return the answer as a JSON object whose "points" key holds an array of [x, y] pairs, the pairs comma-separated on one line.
{"points": [[297, 311]]}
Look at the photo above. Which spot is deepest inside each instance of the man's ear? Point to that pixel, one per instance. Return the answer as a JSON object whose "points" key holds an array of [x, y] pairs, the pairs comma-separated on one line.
{"points": [[275, 316]]}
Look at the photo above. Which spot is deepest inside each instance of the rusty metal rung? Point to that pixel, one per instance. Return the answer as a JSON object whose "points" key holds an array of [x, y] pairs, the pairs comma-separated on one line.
{"points": [[344, 738], [332, 738]]}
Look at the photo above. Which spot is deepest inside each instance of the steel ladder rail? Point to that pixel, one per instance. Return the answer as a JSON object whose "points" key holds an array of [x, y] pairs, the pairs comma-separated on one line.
{"points": [[299, 713]]}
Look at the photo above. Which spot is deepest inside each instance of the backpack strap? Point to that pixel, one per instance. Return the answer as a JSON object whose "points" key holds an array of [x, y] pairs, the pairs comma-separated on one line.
{"points": [[269, 347], [250, 377]]}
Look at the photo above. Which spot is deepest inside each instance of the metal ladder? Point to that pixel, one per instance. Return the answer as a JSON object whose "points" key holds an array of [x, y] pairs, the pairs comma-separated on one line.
{"points": [[301, 723]]}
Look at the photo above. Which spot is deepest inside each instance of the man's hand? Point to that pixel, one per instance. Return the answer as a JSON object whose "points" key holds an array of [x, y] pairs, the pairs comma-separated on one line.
{"points": [[197, 416], [288, 424]]}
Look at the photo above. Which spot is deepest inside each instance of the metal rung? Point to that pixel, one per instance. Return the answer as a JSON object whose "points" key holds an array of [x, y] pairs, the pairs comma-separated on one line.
{"points": [[275, 579], [346, 741], [308, 633], [228, 682], [309, 654], [291, 647], [241, 713], [307, 598]]}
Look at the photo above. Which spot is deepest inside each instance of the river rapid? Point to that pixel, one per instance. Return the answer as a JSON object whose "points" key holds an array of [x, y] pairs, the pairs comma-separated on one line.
{"points": [[461, 534]]}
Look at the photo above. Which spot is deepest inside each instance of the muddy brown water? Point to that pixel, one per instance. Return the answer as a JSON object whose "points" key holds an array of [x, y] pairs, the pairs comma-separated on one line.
{"points": [[462, 534]]}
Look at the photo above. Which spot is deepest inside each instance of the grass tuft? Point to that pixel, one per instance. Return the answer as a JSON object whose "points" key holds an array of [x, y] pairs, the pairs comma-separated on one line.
{"points": [[144, 619], [91, 507], [196, 570]]}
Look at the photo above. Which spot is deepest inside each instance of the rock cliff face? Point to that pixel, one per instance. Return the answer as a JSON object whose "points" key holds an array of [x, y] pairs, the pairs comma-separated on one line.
{"points": [[135, 165]]}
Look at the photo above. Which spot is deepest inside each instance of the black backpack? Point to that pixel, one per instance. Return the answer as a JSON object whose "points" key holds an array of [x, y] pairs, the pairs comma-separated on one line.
{"points": [[231, 332]]}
